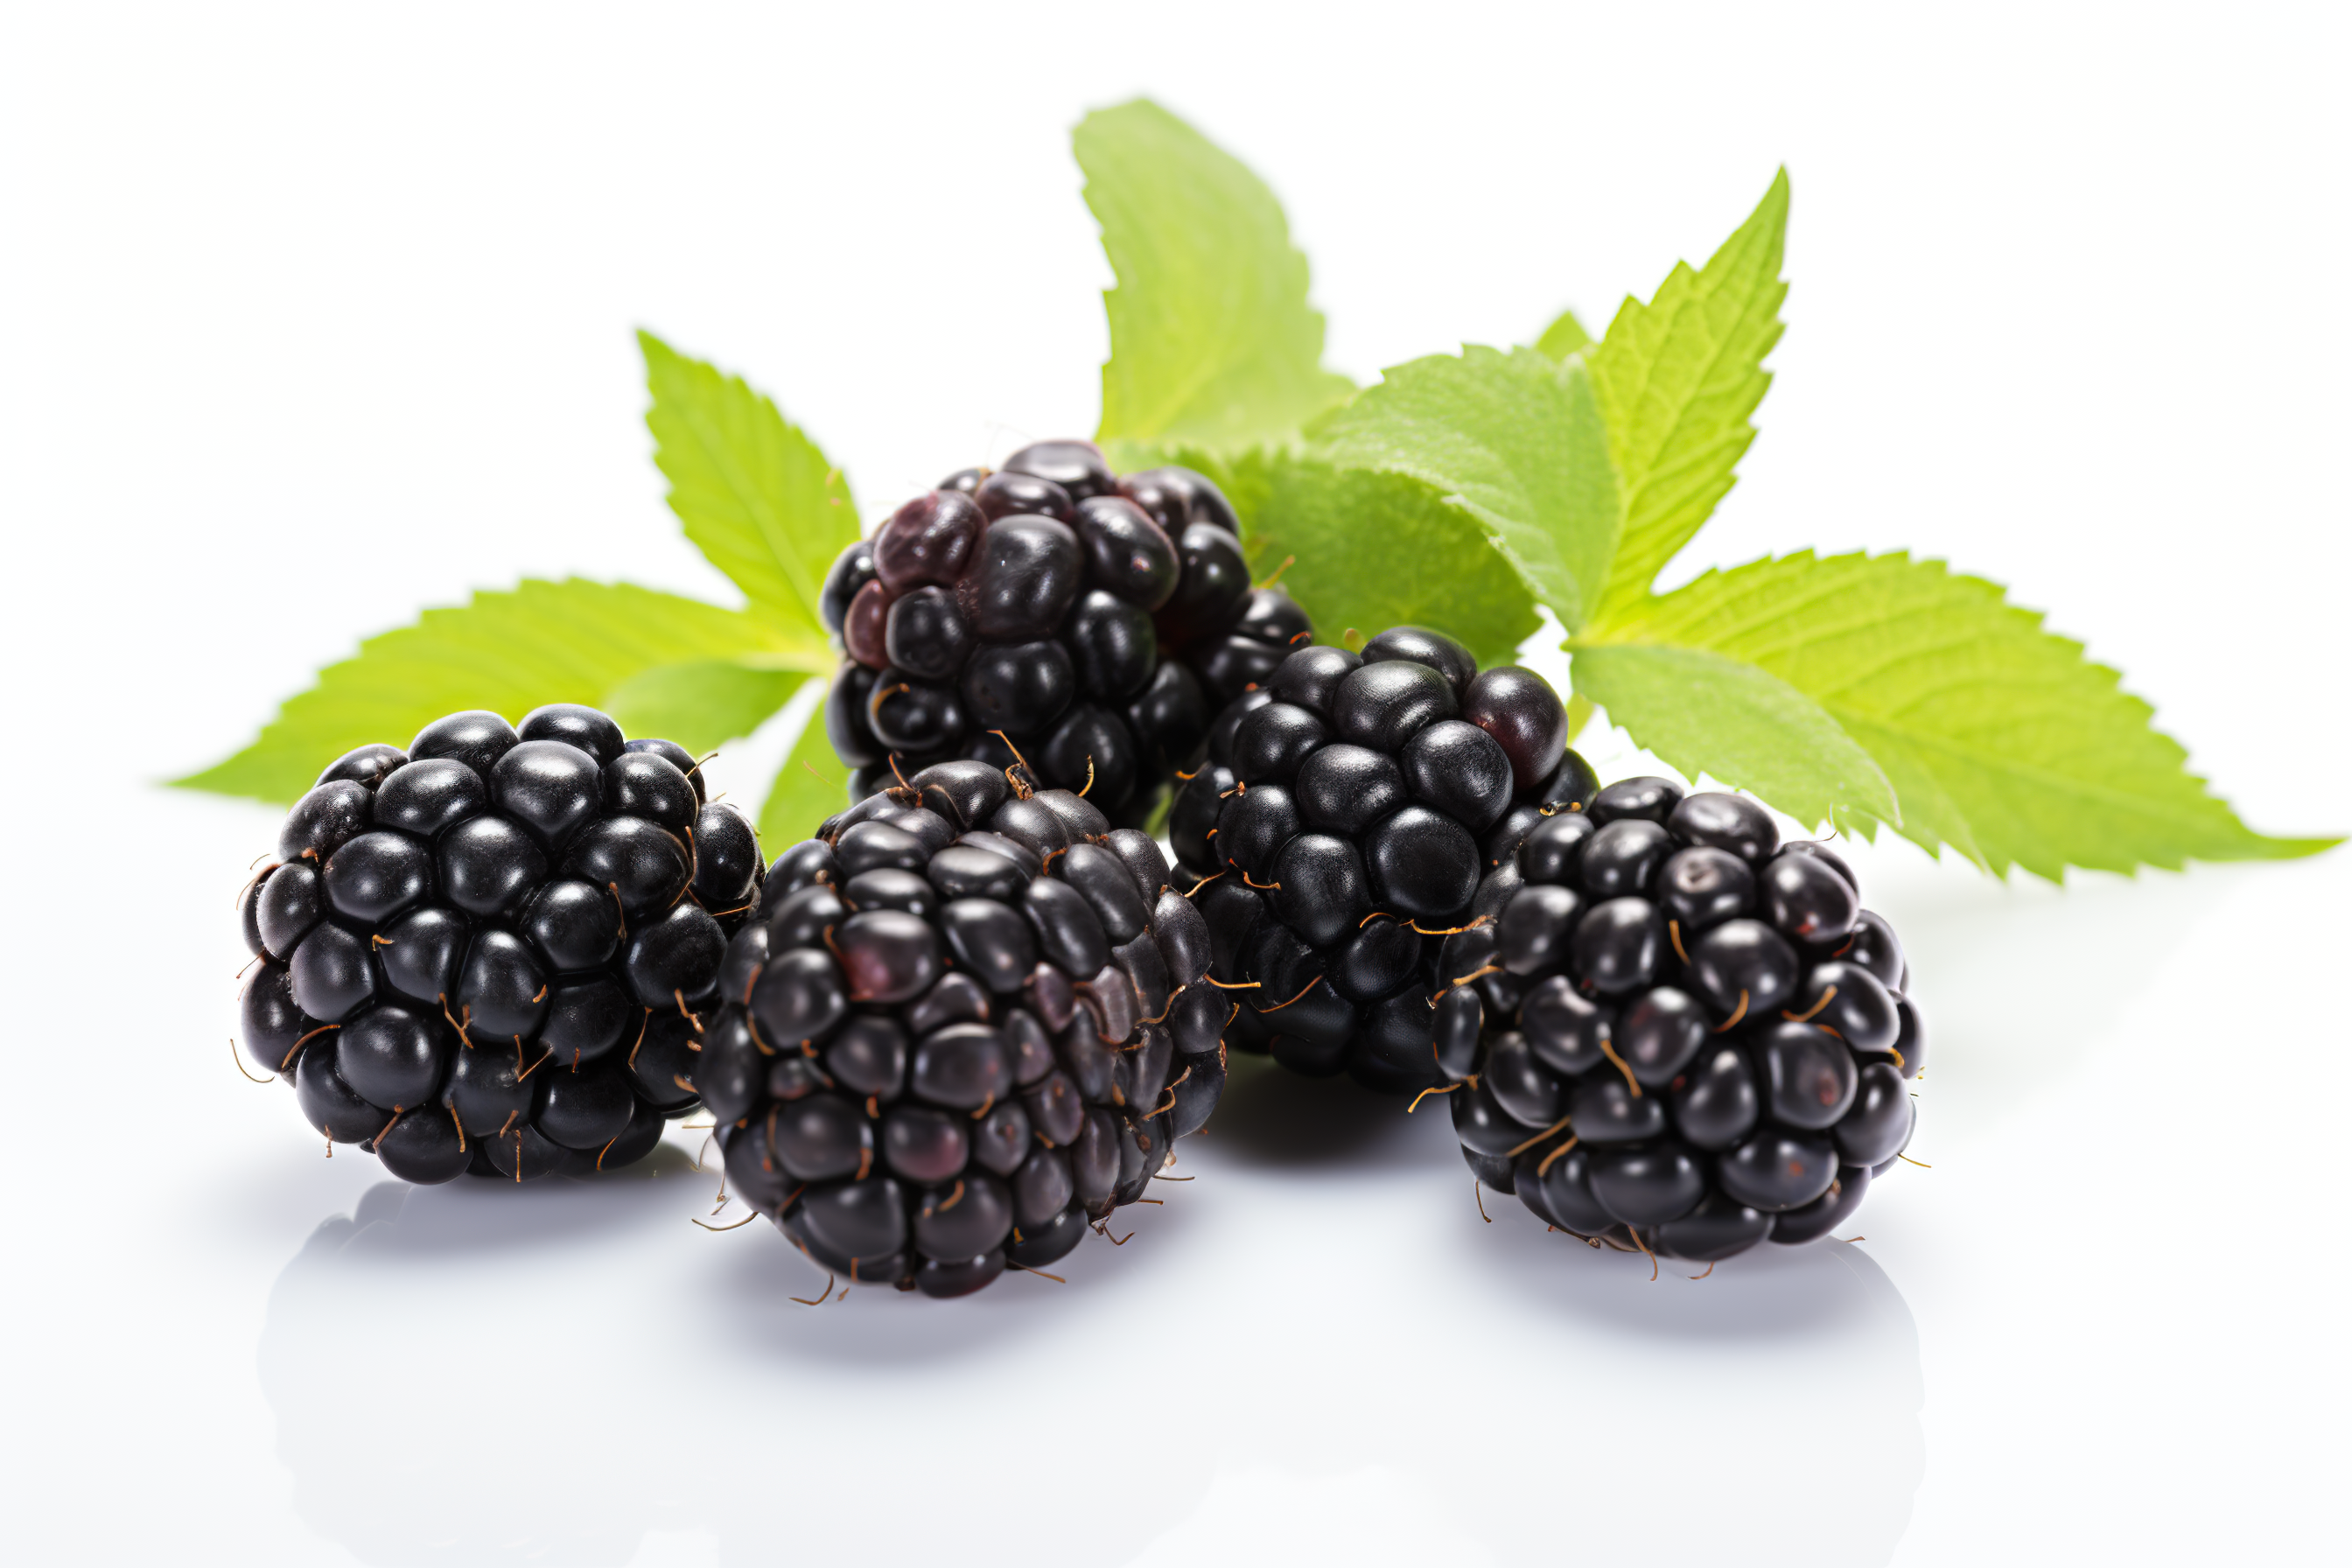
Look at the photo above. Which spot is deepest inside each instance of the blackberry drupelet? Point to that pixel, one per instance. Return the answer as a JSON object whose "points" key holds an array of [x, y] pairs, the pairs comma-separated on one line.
{"points": [[1676, 1033], [970, 1020], [492, 954], [1349, 816], [1096, 620]]}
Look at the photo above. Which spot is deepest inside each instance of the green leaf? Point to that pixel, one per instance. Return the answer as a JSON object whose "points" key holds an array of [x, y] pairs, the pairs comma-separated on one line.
{"points": [[1704, 714], [573, 641], [1369, 550], [811, 785], [1563, 337], [1678, 379], [701, 703], [1999, 738], [755, 495], [1212, 339], [1515, 440]]}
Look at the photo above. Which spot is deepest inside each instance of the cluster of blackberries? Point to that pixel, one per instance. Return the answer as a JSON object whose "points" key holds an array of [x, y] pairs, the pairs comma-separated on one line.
{"points": [[969, 1020], [1051, 614], [1343, 818], [488, 952], [1677, 1032], [955, 1029]]}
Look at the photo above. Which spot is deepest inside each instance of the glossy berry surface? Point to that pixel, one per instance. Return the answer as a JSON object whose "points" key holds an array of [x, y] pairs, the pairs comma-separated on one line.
{"points": [[496, 952], [1347, 817], [1664, 1028], [1051, 612], [970, 1020]]}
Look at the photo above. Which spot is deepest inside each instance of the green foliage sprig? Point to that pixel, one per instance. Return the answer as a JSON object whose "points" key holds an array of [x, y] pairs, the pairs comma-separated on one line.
{"points": [[1461, 491]]}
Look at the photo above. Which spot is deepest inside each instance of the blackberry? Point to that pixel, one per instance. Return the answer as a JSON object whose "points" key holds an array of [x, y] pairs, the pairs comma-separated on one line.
{"points": [[1094, 622], [969, 1020], [1348, 817], [490, 953], [1675, 1032]]}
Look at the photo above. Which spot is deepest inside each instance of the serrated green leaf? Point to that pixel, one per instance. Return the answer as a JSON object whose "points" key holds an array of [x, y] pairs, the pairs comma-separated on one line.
{"points": [[1999, 738], [1678, 379], [1514, 439], [1372, 549], [701, 703], [753, 493], [573, 641], [1212, 339], [811, 785], [1564, 337], [1703, 713]]}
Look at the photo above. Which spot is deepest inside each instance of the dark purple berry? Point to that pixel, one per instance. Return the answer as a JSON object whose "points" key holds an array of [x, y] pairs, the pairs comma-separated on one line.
{"points": [[1623, 858], [1718, 1023], [1877, 1126], [1384, 705], [376, 876], [1814, 850], [1128, 554], [1345, 789], [477, 739], [1657, 1034], [866, 629], [1022, 495], [1726, 822], [1076, 467], [850, 571], [1311, 677], [1553, 850], [1716, 1102], [1421, 646], [931, 539], [1461, 770], [1617, 945], [424, 797], [574, 725], [925, 633], [1776, 1171], [1649, 798], [324, 820], [1113, 649], [366, 766], [1647, 1186], [1213, 586], [567, 837], [1024, 576], [1422, 863], [1705, 887], [1743, 969], [1806, 899], [1526, 717], [333, 975], [1824, 1214], [1568, 787], [490, 864], [1721, 1226]]}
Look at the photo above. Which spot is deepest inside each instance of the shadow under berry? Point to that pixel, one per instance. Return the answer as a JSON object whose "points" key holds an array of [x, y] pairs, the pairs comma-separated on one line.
{"points": [[1785, 1363], [1273, 1117]]}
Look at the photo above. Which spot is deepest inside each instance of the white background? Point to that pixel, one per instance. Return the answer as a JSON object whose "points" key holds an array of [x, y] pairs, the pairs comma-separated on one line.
{"points": [[317, 315]]}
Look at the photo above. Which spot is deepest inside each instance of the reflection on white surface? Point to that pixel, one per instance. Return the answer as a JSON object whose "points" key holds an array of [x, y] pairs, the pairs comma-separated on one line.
{"points": [[453, 1380], [557, 1372]]}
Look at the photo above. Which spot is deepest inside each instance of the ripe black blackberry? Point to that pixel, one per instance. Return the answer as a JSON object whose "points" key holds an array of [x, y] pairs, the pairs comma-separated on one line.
{"points": [[490, 953], [1677, 1033], [1099, 621], [1342, 818], [969, 1020]]}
